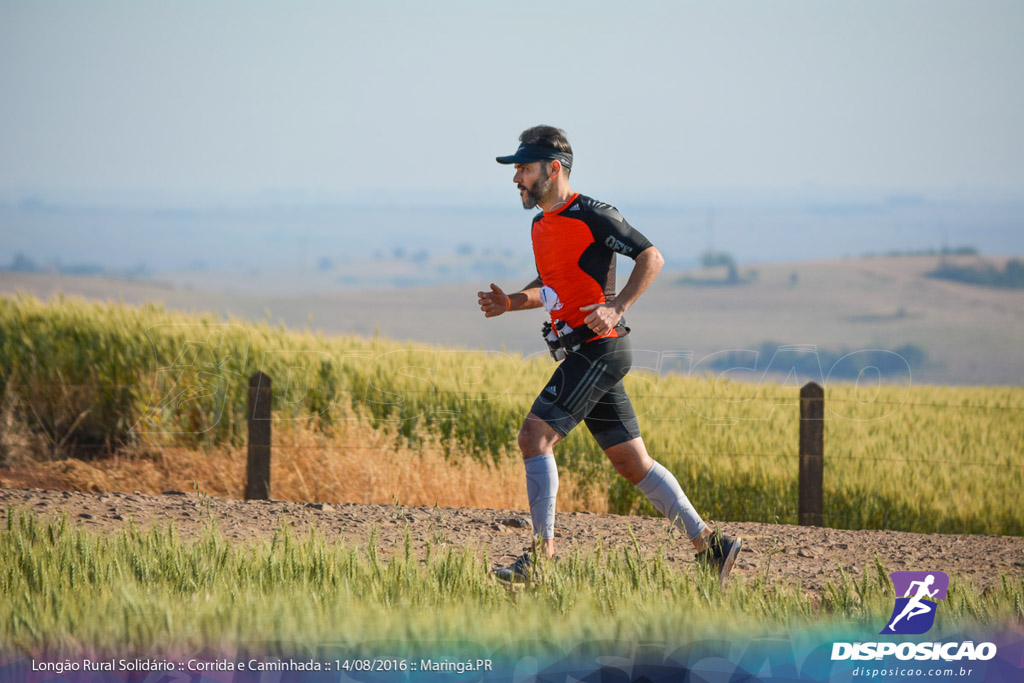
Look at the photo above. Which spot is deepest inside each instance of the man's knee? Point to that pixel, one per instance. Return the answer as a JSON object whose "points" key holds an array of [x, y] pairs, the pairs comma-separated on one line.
{"points": [[630, 459], [632, 469], [536, 437]]}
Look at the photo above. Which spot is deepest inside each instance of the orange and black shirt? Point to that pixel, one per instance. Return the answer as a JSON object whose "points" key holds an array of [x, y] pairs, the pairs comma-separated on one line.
{"points": [[575, 250]]}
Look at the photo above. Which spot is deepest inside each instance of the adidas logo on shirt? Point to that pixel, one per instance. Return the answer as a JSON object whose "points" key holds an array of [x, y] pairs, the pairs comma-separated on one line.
{"points": [[552, 389]]}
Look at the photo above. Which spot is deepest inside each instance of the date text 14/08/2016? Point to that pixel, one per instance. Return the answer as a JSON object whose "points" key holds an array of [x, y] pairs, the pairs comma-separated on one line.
{"points": [[456, 667]]}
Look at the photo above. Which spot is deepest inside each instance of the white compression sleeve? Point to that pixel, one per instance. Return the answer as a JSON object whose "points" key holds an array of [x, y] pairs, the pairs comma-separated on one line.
{"points": [[662, 489], [541, 490]]}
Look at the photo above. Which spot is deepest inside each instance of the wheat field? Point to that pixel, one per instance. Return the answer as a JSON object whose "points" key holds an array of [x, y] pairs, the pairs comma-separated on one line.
{"points": [[370, 420]]}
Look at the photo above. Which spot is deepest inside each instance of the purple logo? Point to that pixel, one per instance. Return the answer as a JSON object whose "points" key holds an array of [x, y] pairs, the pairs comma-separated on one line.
{"points": [[917, 596]]}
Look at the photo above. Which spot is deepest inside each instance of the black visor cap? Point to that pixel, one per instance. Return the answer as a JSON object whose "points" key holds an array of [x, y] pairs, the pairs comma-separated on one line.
{"points": [[528, 153]]}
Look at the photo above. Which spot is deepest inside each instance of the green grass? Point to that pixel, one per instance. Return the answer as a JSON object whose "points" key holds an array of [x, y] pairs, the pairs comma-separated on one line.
{"points": [[918, 458], [68, 591]]}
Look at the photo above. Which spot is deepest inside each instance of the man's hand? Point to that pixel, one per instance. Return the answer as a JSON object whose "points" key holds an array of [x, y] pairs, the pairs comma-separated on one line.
{"points": [[494, 302], [603, 318]]}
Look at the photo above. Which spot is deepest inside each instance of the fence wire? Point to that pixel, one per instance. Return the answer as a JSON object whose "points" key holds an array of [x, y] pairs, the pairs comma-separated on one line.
{"points": [[475, 397]]}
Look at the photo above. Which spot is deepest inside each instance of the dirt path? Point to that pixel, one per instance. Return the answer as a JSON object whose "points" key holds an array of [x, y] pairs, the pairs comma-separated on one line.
{"points": [[810, 556]]}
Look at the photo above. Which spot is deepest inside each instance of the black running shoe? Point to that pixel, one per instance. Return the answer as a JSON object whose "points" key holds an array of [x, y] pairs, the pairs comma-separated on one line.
{"points": [[720, 555]]}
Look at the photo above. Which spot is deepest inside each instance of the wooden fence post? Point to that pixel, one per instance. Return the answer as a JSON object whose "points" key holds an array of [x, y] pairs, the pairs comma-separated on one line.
{"points": [[257, 486], [812, 451]]}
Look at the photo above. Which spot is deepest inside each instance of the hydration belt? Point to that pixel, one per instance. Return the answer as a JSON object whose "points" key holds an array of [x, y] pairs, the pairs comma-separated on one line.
{"points": [[563, 340]]}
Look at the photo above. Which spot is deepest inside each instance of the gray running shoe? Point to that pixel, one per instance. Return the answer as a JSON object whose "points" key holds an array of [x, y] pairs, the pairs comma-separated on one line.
{"points": [[720, 555], [525, 568], [519, 571]]}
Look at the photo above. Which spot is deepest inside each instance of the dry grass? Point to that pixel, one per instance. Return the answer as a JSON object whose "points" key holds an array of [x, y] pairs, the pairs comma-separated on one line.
{"points": [[353, 464]]}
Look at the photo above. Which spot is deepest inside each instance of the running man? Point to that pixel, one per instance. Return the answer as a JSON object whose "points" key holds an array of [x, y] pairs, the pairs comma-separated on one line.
{"points": [[575, 243], [915, 606]]}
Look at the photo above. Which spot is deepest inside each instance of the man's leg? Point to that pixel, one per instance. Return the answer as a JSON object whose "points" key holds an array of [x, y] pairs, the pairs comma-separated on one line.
{"points": [[561, 405], [615, 427], [715, 550], [631, 460], [611, 419], [537, 441]]}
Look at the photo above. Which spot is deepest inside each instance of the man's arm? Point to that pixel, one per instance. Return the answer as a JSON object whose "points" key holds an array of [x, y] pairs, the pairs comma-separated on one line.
{"points": [[496, 302], [604, 317]]}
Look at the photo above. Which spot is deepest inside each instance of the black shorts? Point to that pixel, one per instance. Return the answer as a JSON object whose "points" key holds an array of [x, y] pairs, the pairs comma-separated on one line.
{"points": [[588, 386]]}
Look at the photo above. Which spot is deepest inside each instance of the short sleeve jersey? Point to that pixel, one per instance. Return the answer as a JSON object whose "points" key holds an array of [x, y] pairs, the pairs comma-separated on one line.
{"points": [[575, 250]]}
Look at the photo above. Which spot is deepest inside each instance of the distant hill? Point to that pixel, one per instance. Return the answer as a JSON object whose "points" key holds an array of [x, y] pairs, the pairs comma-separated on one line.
{"points": [[983, 274], [970, 335]]}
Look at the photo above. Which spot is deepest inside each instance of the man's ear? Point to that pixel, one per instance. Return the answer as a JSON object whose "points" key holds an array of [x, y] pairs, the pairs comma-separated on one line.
{"points": [[554, 169]]}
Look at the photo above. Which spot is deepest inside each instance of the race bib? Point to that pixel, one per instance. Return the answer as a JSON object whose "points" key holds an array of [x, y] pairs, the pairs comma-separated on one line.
{"points": [[549, 298]]}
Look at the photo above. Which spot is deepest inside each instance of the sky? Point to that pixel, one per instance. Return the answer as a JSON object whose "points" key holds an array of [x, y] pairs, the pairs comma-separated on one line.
{"points": [[397, 100]]}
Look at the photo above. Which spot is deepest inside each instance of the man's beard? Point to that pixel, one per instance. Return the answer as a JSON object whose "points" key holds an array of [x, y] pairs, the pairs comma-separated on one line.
{"points": [[536, 193]]}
